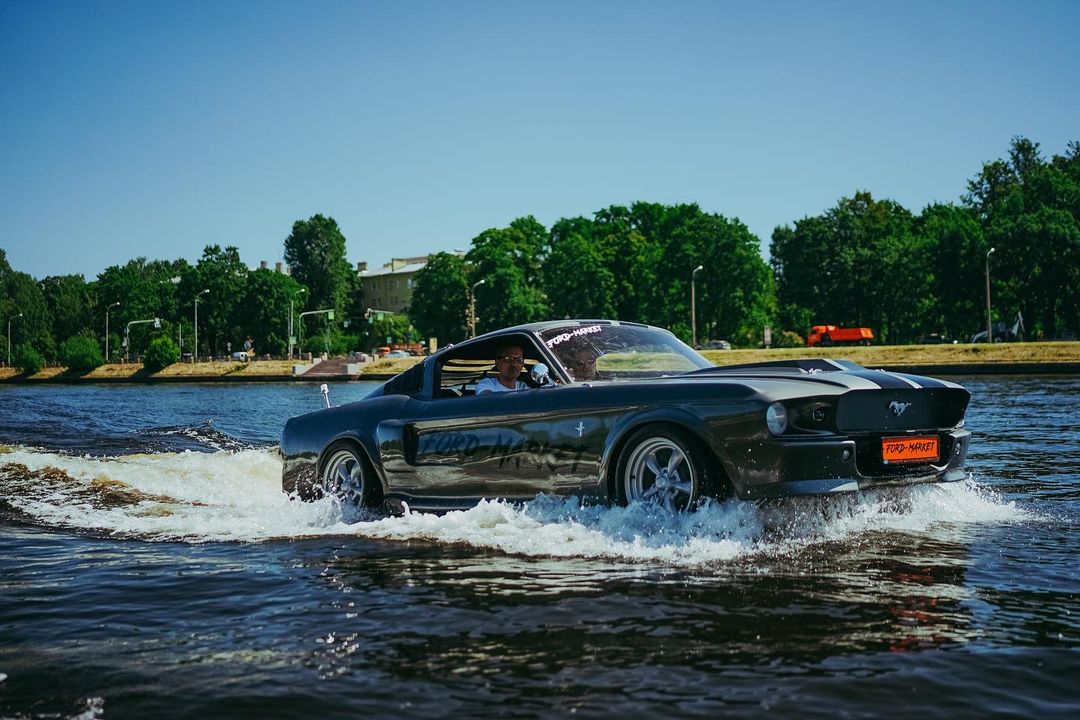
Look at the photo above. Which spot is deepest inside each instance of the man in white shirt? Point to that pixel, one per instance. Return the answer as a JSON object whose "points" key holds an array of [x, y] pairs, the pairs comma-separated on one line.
{"points": [[509, 362]]}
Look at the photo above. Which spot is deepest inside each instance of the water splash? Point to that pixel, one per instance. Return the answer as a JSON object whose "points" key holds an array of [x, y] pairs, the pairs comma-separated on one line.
{"points": [[235, 495]]}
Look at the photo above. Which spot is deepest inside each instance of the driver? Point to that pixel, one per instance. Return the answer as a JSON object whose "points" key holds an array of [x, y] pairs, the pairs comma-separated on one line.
{"points": [[508, 362]]}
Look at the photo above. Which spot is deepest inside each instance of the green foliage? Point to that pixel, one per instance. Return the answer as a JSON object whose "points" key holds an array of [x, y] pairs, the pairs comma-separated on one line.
{"points": [[145, 289], [390, 325], [23, 305], [161, 353], [509, 261], [69, 303], [958, 250], [345, 344], [578, 278], [787, 339], [264, 311], [315, 252], [224, 313], [440, 298], [24, 356], [860, 264], [80, 352], [637, 264], [1029, 210]]}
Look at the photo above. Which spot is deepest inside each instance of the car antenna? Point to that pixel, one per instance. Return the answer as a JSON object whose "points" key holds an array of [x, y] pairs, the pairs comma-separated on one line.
{"points": [[325, 394]]}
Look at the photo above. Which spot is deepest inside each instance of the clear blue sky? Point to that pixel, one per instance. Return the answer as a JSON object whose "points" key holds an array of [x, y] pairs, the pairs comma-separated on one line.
{"points": [[156, 128]]}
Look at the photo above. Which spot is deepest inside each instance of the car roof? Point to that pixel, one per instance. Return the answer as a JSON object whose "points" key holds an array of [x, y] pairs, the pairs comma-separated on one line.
{"points": [[530, 329]]}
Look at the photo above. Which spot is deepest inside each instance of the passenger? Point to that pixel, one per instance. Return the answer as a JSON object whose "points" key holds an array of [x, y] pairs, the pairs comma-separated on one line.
{"points": [[508, 362], [582, 364]]}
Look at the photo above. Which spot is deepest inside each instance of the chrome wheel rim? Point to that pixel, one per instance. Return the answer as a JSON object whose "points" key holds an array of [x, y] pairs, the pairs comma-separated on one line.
{"points": [[659, 471], [344, 478]]}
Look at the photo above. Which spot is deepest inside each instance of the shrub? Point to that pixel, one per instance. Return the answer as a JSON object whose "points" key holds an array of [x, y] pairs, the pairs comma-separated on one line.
{"points": [[161, 354], [80, 352], [345, 344], [26, 357], [787, 339]]}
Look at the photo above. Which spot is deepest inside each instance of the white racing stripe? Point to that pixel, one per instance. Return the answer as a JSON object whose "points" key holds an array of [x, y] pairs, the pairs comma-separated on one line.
{"points": [[856, 382], [909, 381]]}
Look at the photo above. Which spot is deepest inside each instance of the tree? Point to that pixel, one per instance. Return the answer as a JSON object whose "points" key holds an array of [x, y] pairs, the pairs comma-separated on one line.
{"points": [[161, 353], [632, 250], [80, 353], [1029, 210], [385, 328], [69, 302], [223, 313], [578, 278], [25, 357], [860, 264], [145, 289], [508, 260], [958, 246], [440, 298], [315, 252], [266, 310], [22, 302]]}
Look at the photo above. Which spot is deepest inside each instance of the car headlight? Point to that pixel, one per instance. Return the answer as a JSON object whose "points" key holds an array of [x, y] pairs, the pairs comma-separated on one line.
{"points": [[776, 418]]}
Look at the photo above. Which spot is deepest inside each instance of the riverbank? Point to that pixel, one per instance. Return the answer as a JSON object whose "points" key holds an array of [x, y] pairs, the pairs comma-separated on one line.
{"points": [[967, 359]]}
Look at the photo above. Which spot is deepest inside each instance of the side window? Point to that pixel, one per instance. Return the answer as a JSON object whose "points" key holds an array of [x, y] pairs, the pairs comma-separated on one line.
{"points": [[458, 376], [406, 383]]}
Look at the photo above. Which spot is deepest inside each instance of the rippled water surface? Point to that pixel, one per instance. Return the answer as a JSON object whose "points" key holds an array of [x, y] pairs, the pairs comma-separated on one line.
{"points": [[151, 567]]}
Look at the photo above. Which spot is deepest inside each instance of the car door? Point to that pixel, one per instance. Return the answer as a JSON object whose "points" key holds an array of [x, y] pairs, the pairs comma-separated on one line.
{"points": [[510, 445]]}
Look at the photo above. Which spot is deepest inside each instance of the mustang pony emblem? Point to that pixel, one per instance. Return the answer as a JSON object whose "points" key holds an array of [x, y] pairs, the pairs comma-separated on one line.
{"points": [[898, 408], [580, 428]]}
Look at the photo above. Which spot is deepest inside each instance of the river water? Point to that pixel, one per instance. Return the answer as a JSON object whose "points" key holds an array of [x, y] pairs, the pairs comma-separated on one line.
{"points": [[150, 567]]}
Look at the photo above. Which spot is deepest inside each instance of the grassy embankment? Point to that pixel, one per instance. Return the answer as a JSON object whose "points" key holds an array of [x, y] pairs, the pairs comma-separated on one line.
{"points": [[873, 356]]}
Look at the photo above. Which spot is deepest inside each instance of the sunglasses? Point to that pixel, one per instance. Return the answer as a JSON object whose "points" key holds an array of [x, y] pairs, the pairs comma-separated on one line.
{"points": [[516, 359]]}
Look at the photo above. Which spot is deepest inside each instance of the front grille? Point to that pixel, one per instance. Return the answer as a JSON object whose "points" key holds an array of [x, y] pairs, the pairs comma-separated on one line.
{"points": [[868, 457], [919, 409]]}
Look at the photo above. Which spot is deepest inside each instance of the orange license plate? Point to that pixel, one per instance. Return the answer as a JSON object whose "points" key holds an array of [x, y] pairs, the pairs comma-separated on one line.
{"points": [[909, 449]]}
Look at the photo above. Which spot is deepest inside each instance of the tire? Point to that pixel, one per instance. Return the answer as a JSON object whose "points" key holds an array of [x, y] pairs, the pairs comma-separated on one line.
{"points": [[662, 465], [826, 341], [347, 475]]}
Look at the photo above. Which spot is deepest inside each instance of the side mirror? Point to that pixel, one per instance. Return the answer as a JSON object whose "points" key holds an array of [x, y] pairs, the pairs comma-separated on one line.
{"points": [[541, 375]]}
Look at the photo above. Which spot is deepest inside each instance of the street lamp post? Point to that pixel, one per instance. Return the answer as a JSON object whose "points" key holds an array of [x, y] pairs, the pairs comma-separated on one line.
{"points": [[9, 337], [107, 309], [127, 332], [301, 290], [329, 312], [989, 327], [195, 352], [472, 306], [693, 306], [179, 325]]}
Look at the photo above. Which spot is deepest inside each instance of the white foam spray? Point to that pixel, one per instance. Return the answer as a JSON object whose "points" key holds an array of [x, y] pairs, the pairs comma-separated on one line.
{"points": [[236, 496]]}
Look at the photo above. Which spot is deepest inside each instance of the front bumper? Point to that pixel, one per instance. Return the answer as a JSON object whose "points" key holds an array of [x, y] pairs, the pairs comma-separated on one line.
{"points": [[783, 467]]}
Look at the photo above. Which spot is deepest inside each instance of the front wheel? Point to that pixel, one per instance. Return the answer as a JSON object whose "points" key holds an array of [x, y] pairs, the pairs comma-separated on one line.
{"points": [[347, 476], [661, 466]]}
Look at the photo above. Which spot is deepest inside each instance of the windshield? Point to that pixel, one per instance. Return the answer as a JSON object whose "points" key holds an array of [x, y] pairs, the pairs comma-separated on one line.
{"points": [[601, 351]]}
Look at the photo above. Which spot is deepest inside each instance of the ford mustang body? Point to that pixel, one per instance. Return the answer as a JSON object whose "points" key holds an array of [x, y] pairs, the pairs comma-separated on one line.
{"points": [[622, 412]]}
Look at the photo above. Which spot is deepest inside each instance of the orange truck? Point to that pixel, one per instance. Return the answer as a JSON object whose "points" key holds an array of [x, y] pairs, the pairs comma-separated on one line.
{"points": [[826, 335]]}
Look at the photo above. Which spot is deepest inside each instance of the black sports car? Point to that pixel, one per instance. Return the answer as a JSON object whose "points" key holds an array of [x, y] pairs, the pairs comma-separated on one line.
{"points": [[622, 412]]}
